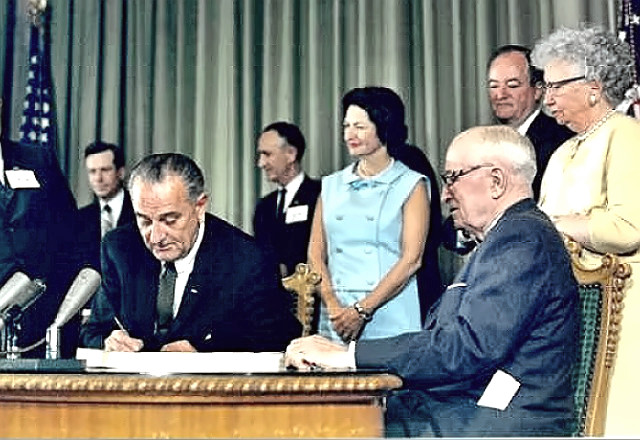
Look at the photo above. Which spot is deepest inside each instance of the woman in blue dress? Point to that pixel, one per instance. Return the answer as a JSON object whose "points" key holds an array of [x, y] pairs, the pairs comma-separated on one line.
{"points": [[370, 227]]}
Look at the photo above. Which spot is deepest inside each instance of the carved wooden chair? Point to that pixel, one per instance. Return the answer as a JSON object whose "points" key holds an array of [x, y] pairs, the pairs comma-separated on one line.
{"points": [[601, 294], [303, 283]]}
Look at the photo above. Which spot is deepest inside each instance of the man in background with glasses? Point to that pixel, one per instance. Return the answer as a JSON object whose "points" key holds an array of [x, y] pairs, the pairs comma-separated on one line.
{"points": [[495, 355]]}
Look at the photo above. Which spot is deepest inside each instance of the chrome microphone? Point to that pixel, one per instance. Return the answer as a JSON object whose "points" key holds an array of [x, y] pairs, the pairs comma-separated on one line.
{"points": [[18, 292], [82, 289]]}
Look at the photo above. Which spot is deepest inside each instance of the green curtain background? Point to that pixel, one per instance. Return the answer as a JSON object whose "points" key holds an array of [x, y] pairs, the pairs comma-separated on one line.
{"points": [[202, 77]]}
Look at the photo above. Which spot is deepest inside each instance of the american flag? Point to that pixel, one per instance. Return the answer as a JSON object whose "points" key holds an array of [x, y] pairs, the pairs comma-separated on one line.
{"points": [[38, 116], [629, 31]]}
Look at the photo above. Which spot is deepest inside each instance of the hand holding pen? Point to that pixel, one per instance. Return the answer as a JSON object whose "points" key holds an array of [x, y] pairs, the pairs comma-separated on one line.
{"points": [[119, 340]]}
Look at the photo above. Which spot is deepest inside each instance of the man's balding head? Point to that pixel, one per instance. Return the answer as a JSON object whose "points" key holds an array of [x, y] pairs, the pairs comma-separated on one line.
{"points": [[487, 169]]}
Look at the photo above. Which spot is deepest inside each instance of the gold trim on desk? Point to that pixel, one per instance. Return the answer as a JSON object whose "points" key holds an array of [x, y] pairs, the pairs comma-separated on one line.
{"points": [[221, 405]]}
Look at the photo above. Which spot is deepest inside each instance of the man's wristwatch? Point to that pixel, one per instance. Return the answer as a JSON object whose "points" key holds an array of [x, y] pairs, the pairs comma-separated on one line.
{"points": [[364, 315]]}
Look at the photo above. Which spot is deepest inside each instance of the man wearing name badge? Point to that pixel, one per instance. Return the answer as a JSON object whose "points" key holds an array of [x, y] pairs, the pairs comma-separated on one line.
{"points": [[181, 279], [37, 219], [497, 351], [111, 206], [282, 219]]}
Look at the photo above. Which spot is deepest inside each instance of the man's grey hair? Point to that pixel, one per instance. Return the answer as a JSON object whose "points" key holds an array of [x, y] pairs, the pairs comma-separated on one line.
{"points": [[595, 52], [510, 147], [157, 167]]}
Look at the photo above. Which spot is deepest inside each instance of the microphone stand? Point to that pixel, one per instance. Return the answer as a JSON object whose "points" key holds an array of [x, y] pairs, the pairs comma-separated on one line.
{"points": [[53, 342], [11, 318]]}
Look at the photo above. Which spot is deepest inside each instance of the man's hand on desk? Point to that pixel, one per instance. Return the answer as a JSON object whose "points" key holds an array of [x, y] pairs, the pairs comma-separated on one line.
{"points": [[183, 345], [119, 340], [317, 352]]}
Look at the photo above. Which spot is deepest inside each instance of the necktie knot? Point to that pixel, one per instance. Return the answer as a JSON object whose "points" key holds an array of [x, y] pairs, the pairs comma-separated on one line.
{"points": [[106, 220]]}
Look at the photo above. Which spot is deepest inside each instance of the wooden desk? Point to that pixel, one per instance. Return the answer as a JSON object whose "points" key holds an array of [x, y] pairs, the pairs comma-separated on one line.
{"points": [[115, 405]]}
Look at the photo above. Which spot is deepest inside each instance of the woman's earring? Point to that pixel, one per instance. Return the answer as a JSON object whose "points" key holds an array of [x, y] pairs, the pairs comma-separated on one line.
{"points": [[592, 100]]}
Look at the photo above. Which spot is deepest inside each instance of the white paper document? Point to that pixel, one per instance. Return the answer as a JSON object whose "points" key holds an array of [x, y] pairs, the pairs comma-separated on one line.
{"points": [[160, 363], [501, 389]]}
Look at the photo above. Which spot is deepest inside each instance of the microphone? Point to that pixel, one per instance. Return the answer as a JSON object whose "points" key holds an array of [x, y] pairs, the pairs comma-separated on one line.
{"points": [[82, 289], [19, 292]]}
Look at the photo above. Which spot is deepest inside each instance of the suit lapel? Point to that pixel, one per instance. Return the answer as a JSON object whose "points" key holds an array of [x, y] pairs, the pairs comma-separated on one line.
{"points": [[301, 196], [147, 285], [204, 280], [126, 215], [6, 197]]}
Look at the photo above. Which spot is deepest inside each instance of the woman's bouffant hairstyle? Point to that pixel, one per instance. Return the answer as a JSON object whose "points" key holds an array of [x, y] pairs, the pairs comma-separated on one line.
{"points": [[385, 110], [598, 53]]}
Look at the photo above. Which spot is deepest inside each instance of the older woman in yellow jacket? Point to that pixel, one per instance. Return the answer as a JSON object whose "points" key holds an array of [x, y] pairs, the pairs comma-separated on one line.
{"points": [[590, 187]]}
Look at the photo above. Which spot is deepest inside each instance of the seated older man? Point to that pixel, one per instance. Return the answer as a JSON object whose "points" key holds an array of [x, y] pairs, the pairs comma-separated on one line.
{"points": [[496, 353]]}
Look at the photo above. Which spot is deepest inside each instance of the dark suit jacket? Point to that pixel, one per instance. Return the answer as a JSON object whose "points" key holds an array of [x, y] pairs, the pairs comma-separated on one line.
{"points": [[513, 307], [233, 300], [287, 243], [37, 236], [428, 276], [89, 231], [546, 135]]}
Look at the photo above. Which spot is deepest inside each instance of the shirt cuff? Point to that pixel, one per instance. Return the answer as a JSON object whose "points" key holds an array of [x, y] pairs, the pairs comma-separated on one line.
{"points": [[351, 355]]}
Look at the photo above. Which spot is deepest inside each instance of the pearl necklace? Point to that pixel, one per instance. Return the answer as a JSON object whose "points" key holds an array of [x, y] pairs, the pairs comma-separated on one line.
{"points": [[582, 136], [364, 172]]}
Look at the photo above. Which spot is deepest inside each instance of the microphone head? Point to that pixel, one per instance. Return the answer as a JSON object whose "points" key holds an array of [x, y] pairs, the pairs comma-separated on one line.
{"points": [[82, 289], [19, 290]]}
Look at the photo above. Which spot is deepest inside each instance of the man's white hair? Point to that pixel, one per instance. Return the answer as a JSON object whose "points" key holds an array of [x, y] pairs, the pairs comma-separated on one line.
{"points": [[507, 145]]}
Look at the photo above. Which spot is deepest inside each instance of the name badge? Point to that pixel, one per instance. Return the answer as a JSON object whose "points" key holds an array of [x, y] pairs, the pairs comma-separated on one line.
{"points": [[501, 389], [22, 179], [296, 214]]}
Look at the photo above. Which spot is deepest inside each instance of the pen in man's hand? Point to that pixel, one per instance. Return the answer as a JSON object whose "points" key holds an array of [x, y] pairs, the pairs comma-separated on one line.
{"points": [[119, 324]]}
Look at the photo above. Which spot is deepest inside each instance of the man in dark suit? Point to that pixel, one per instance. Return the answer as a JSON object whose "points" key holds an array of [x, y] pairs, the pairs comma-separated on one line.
{"points": [[111, 206], [515, 95], [496, 354], [37, 218], [282, 219], [181, 279]]}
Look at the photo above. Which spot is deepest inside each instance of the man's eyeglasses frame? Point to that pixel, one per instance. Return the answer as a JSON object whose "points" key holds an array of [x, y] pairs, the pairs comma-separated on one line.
{"points": [[451, 177]]}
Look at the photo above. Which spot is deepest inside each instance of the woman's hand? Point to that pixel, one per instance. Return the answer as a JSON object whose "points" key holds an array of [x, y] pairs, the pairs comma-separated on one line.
{"points": [[575, 226], [347, 323]]}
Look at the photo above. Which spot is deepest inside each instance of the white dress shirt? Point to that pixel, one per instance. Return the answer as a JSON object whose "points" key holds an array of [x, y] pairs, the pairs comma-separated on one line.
{"points": [[292, 188], [184, 267], [524, 127], [115, 203], [1, 166]]}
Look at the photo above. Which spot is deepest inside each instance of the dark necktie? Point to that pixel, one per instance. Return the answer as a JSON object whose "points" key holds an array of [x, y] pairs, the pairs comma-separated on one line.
{"points": [[164, 301], [5, 197], [106, 220], [280, 209]]}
